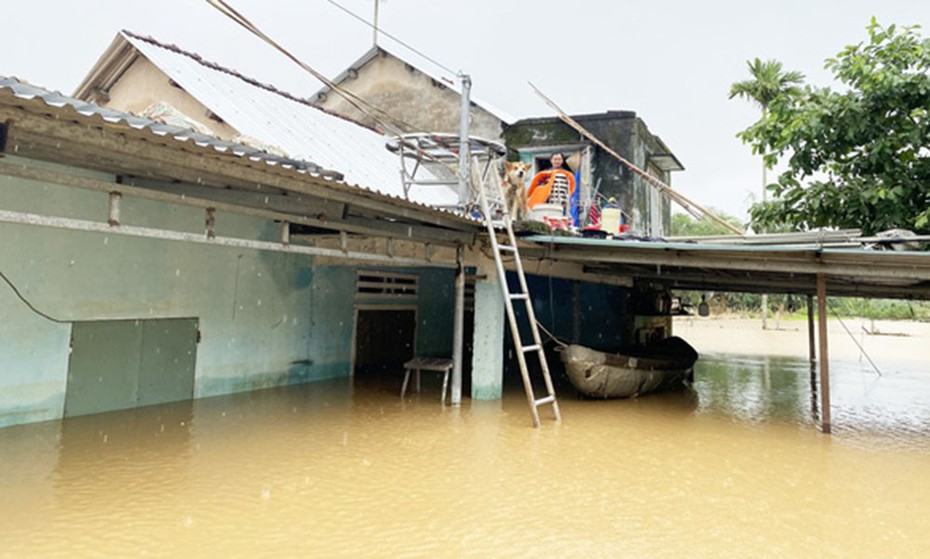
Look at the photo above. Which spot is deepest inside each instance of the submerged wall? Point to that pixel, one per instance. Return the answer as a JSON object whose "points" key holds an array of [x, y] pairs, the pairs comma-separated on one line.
{"points": [[265, 318]]}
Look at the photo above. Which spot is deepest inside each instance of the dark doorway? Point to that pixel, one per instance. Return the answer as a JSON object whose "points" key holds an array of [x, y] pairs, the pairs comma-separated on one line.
{"points": [[384, 340]]}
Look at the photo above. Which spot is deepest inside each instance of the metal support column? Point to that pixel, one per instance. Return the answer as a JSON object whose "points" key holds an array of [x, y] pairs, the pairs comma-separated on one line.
{"points": [[811, 351], [464, 155], [824, 355], [458, 332]]}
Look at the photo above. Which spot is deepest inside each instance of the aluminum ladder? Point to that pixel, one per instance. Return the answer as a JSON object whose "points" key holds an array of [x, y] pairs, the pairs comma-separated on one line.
{"points": [[536, 346]]}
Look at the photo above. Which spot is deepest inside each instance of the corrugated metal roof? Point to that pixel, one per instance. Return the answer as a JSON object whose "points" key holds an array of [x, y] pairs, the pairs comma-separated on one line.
{"points": [[708, 248], [763, 268], [286, 121], [25, 90]]}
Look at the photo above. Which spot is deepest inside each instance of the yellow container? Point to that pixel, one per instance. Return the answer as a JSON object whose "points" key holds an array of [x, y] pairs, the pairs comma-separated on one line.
{"points": [[610, 220]]}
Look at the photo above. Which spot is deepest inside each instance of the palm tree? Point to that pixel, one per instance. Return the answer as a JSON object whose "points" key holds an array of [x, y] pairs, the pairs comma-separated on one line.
{"points": [[768, 82]]}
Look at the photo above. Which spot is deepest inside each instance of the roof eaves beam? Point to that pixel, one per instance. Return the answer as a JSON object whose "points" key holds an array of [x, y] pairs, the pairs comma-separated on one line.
{"points": [[125, 141]]}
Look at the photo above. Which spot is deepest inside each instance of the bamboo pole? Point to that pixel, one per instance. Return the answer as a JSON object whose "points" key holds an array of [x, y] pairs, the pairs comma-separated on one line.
{"points": [[663, 188]]}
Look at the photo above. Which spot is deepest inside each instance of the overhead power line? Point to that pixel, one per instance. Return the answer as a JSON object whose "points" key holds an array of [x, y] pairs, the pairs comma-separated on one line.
{"points": [[395, 39]]}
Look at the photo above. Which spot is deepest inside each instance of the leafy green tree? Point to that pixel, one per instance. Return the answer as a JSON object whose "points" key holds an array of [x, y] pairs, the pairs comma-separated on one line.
{"points": [[859, 157]]}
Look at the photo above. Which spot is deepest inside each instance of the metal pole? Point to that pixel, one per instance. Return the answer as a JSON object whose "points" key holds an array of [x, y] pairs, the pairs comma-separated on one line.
{"points": [[464, 155], [458, 331], [824, 355], [375, 26], [810, 329]]}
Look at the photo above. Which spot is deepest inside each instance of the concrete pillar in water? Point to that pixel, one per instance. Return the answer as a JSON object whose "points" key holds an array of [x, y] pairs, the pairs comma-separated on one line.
{"points": [[487, 366]]}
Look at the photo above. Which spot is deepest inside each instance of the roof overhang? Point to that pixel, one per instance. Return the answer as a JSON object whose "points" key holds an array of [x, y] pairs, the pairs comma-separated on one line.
{"points": [[47, 126], [666, 162], [762, 269], [108, 69]]}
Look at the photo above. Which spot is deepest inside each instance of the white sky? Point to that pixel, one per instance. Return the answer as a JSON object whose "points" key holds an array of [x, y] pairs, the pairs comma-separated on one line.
{"points": [[672, 62]]}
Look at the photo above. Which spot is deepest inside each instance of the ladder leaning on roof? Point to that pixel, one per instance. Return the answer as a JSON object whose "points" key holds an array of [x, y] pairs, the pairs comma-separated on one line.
{"points": [[521, 294]]}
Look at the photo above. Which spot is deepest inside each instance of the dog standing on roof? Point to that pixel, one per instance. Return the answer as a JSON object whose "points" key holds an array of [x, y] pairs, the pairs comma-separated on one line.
{"points": [[513, 176]]}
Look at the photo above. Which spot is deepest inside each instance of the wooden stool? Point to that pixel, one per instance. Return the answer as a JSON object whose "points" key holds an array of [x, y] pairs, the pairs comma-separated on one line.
{"points": [[436, 364]]}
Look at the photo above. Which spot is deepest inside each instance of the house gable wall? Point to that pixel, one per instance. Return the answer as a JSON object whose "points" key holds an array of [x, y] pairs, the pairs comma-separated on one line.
{"points": [[144, 84], [405, 92]]}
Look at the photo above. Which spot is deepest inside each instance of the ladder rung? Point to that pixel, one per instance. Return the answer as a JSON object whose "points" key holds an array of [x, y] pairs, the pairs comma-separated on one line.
{"points": [[523, 296], [529, 348], [509, 248], [543, 401]]}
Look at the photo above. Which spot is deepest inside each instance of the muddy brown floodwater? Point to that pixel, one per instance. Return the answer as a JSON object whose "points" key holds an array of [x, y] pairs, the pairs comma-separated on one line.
{"points": [[733, 467]]}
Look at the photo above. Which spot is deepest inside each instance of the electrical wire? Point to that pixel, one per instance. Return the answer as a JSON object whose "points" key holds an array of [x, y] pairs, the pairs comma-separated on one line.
{"points": [[383, 118], [362, 106], [862, 349], [30, 305], [393, 38]]}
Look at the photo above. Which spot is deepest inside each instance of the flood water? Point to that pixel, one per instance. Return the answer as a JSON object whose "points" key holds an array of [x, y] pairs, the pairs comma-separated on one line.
{"points": [[733, 468]]}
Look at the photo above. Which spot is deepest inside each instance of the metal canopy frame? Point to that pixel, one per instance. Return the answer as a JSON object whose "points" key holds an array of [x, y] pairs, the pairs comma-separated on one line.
{"points": [[438, 155]]}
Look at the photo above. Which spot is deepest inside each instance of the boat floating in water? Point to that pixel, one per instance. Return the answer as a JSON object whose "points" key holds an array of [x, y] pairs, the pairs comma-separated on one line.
{"points": [[661, 365]]}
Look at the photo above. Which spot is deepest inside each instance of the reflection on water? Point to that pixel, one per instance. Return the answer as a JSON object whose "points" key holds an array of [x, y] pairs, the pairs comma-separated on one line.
{"points": [[886, 407], [732, 467]]}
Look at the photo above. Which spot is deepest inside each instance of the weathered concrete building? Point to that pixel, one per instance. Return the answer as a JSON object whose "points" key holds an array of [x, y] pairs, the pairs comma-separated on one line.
{"points": [[601, 175], [425, 101], [147, 263]]}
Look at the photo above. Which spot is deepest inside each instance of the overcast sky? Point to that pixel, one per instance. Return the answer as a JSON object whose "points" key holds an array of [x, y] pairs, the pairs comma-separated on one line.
{"points": [[672, 62]]}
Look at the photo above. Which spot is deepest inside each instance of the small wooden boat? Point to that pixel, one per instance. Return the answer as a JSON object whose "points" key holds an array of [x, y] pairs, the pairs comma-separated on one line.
{"points": [[664, 364]]}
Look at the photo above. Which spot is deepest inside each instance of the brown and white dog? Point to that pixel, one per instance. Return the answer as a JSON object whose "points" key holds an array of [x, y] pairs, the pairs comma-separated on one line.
{"points": [[513, 176]]}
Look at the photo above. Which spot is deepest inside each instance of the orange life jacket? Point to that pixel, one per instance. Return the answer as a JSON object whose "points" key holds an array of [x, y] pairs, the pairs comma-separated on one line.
{"points": [[541, 187]]}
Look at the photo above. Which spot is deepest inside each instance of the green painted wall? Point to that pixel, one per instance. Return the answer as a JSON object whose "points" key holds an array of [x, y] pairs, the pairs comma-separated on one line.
{"points": [[254, 307], [266, 318], [330, 343]]}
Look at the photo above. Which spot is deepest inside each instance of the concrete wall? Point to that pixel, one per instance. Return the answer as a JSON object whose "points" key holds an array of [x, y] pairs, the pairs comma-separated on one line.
{"points": [[144, 84], [266, 318], [254, 307], [390, 83], [627, 135]]}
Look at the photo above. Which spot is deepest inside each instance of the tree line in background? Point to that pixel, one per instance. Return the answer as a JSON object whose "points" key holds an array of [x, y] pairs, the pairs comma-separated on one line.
{"points": [[794, 307]]}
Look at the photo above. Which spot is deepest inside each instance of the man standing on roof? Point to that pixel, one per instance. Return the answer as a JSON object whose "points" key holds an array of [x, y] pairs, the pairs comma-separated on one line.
{"points": [[552, 186]]}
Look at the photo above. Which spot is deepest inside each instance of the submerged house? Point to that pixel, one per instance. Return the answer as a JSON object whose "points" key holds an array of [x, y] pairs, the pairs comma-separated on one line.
{"points": [[145, 263], [200, 251]]}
